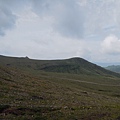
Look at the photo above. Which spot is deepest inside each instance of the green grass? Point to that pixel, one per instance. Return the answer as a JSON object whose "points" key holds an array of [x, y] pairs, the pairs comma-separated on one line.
{"points": [[54, 98], [72, 66], [32, 94]]}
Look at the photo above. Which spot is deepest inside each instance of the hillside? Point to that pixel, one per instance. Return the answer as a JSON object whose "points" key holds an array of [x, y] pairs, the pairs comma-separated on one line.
{"points": [[114, 68], [30, 93], [72, 65]]}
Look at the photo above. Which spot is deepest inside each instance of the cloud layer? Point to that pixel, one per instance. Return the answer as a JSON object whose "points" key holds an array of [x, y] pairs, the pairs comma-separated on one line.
{"points": [[50, 29], [67, 16], [7, 19], [70, 18], [111, 45]]}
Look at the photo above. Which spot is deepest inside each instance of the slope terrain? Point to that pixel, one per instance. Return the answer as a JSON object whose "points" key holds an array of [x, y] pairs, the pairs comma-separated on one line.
{"points": [[73, 65], [28, 92]]}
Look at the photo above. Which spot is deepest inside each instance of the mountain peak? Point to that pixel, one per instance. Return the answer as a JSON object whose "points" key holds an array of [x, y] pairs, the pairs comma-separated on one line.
{"points": [[73, 65]]}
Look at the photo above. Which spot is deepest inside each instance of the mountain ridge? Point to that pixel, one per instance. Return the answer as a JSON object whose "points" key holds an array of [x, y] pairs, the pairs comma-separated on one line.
{"points": [[73, 65]]}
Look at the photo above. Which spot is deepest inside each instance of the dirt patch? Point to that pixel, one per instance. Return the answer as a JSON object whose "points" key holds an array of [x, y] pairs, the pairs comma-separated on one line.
{"points": [[3, 107], [96, 116], [118, 118]]}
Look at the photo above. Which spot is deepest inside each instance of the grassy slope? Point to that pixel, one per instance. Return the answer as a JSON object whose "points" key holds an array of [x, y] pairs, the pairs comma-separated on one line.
{"points": [[37, 95], [73, 66]]}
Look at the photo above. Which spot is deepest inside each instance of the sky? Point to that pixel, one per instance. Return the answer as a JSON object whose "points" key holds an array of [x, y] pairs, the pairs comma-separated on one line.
{"points": [[60, 29]]}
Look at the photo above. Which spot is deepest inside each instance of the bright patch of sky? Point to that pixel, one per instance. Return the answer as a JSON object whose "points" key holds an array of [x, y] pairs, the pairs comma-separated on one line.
{"points": [[56, 29]]}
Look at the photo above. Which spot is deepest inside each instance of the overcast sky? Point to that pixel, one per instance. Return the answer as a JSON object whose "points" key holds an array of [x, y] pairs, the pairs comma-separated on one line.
{"points": [[56, 29]]}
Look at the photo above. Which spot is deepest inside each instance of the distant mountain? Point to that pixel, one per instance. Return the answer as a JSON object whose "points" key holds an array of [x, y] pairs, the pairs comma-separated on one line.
{"points": [[72, 65], [114, 68], [107, 64]]}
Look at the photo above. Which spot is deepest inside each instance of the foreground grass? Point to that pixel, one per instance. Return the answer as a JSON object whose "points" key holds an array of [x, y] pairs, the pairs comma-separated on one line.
{"points": [[47, 96]]}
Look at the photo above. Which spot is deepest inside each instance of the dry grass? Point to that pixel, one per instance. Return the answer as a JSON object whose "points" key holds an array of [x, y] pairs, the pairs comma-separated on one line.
{"points": [[47, 96]]}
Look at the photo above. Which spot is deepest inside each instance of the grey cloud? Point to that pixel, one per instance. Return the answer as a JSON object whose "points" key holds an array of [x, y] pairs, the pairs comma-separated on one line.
{"points": [[70, 21], [8, 13], [7, 19], [72, 18], [68, 16], [42, 7], [77, 18], [101, 13], [14, 4]]}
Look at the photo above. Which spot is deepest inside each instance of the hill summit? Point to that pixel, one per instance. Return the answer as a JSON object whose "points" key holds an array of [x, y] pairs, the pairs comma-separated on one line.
{"points": [[74, 65]]}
